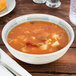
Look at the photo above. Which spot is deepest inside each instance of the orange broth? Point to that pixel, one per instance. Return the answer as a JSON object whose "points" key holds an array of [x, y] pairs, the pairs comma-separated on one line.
{"points": [[37, 37]]}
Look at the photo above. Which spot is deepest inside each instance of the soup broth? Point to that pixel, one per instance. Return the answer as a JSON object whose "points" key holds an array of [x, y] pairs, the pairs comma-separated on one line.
{"points": [[37, 37]]}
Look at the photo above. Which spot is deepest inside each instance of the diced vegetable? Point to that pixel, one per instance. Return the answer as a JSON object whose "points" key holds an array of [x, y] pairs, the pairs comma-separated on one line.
{"points": [[44, 47], [55, 36], [59, 47], [34, 45], [48, 41], [29, 43], [40, 44], [56, 43], [33, 38], [23, 49], [39, 36], [43, 39]]}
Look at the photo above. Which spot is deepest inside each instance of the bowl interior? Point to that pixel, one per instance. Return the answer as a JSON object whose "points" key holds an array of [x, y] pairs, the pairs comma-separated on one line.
{"points": [[32, 17]]}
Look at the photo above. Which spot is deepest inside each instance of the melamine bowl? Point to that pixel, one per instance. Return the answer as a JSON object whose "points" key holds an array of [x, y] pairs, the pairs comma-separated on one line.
{"points": [[43, 58]]}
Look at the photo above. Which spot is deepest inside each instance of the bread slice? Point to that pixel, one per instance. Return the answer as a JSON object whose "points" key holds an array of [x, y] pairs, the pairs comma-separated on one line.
{"points": [[2, 4]]}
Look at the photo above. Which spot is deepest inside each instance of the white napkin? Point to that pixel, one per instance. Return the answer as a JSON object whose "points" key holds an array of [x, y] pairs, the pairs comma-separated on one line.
{"points": [[4, 71], [13, 64]]}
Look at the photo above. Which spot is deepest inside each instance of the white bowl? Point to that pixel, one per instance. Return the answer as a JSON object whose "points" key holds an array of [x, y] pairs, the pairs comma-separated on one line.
{"points": [[37, 59]]}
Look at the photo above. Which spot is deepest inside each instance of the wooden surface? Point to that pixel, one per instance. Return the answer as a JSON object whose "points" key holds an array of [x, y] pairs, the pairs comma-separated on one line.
{"points": [[65, 66]]}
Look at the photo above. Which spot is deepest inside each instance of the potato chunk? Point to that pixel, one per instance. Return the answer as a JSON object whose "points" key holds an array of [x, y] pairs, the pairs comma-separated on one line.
{"points": [[33, 38], [56, 43], [55, 36], [44, 47]]}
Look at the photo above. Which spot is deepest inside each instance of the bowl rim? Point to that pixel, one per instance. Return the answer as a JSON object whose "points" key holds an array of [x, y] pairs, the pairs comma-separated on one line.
{"points": [[27, 15]]}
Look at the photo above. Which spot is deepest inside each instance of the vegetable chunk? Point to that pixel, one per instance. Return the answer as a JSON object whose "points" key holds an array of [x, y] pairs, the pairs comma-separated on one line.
{"points": [[44, 47], [56, 43], [55, 36]]}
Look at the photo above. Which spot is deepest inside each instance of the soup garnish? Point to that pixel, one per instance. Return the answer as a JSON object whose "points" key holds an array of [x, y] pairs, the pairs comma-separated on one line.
{"points": [[37, 37]]}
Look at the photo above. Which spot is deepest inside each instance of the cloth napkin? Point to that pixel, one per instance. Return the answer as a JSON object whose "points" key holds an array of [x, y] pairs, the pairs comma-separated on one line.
{"points": [[13, 64], [4, 71]]}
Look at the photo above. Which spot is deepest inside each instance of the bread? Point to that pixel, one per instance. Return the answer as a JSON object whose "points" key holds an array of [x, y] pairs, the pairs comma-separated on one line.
{"points": [[2, 4]]}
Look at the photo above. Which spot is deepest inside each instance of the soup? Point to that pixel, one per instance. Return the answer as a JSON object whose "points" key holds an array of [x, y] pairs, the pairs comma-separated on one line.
{"points": [[37, 37]]}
